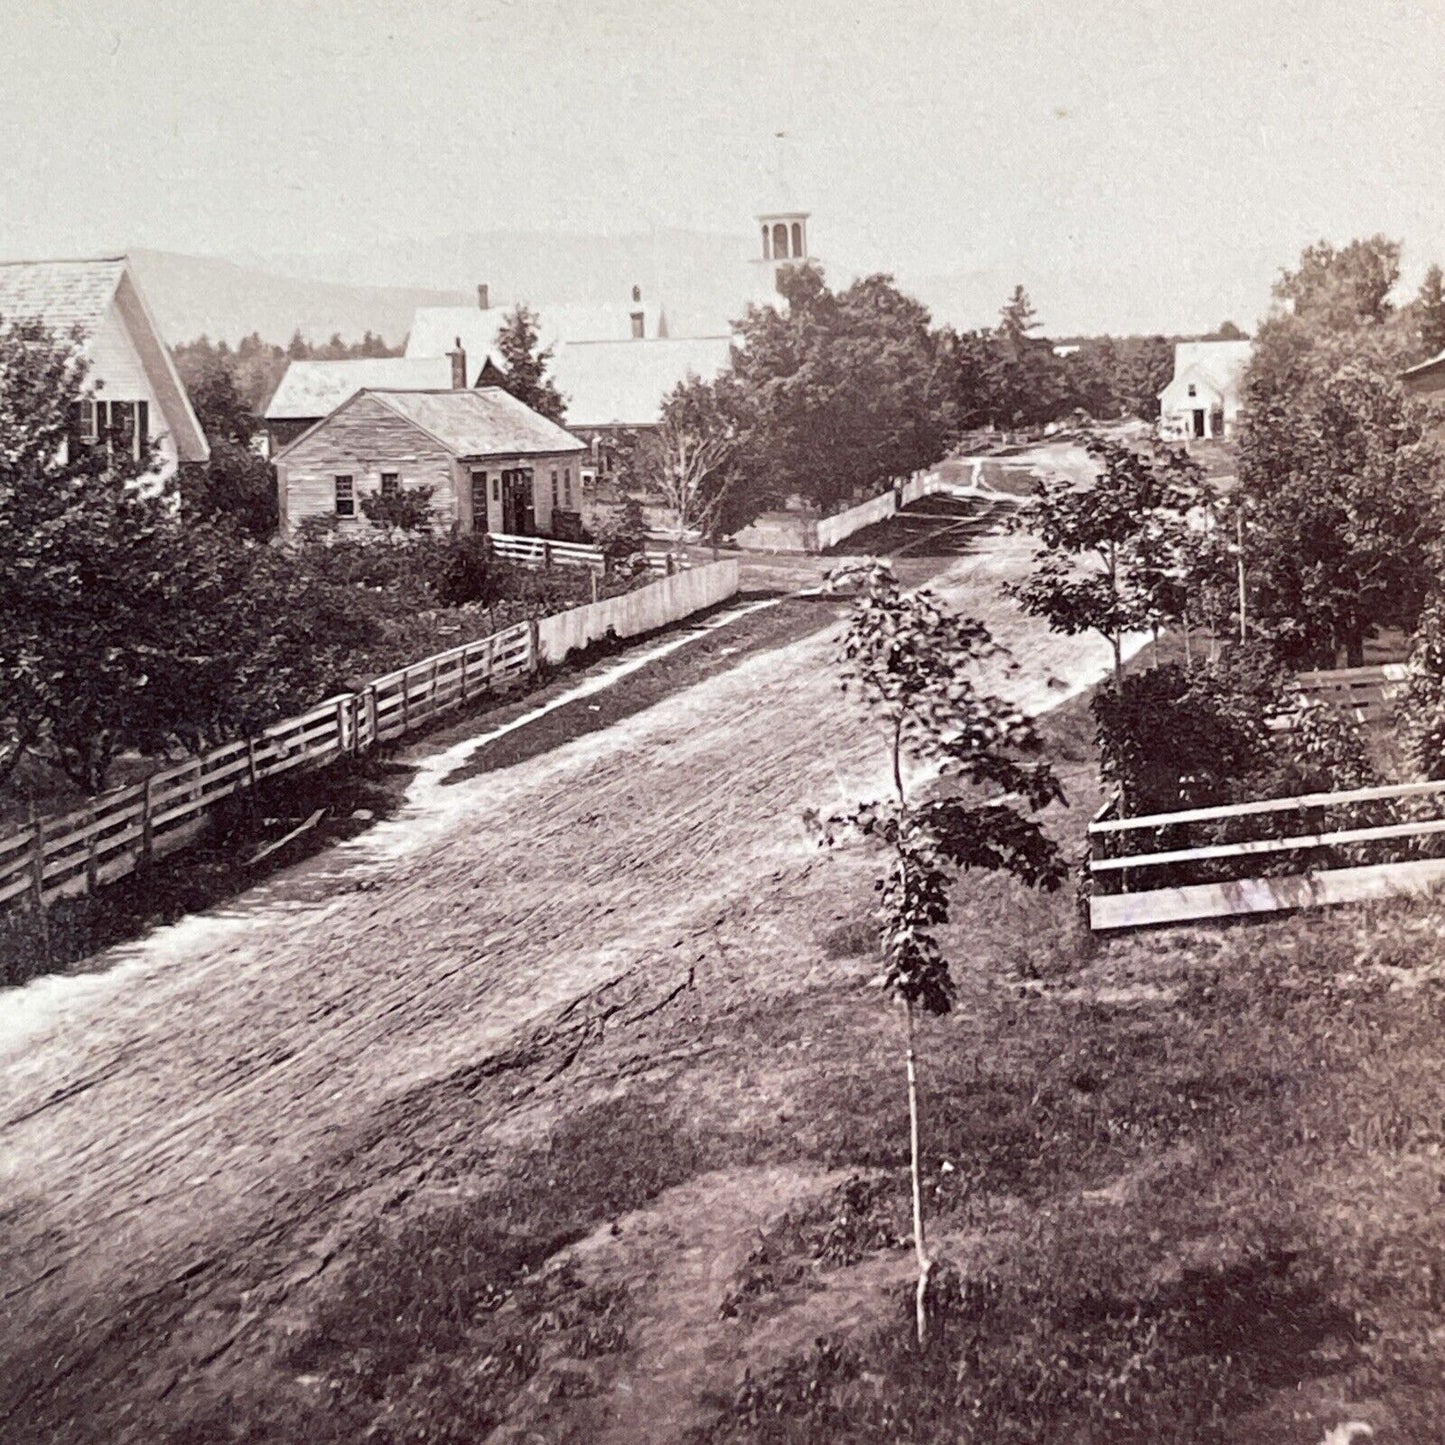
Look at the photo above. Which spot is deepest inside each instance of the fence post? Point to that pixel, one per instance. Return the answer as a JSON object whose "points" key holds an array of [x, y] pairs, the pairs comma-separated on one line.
{"points": [[592, 573], [546, 556], [436, 706], [405, 701], [147, 826], [37, 864], [341, 724], [90, 870], [465, 653], [251, 763], [534, 648], [671, 564]]}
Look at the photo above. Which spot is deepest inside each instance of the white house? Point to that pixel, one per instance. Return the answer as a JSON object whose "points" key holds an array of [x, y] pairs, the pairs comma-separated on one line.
{"points": [[133, 389], [1203, 399]]}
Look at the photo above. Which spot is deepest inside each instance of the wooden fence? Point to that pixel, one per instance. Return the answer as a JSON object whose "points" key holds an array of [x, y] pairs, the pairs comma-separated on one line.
{"points": [[842, 525], [1367, 694], [1339, 833], [544, 552], [124, 829]]}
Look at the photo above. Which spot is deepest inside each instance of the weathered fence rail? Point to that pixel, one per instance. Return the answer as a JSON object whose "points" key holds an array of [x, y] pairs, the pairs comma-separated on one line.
{"points": [[544, 552], [120, 831], [1367, 694], [1338, 833]]}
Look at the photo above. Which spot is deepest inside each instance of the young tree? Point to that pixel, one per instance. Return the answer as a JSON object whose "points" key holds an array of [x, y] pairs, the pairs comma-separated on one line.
{"points": [[527, 365], [908, 662], [689, 459], [1111, 551]]}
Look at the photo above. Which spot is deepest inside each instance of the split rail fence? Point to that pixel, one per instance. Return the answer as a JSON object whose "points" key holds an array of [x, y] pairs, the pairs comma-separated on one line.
{"points": [[120, 831], [1345, 847]]}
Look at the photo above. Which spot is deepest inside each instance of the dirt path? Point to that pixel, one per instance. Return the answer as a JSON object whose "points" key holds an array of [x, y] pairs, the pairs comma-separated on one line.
{"points": [[175, 1155]]}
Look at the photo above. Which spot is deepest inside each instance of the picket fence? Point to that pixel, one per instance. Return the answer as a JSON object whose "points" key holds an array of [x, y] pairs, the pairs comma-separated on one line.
{"points": [[122, 830], [1122, 895]]}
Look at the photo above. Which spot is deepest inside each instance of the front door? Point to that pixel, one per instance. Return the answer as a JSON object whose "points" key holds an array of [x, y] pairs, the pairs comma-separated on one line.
{"points": [[1199, 424], [519, 517], [479, 502]]}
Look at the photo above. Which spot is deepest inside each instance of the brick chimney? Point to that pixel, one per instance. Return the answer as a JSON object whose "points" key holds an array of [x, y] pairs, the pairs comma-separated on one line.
{"points": [[483, 298], [458, 360]]}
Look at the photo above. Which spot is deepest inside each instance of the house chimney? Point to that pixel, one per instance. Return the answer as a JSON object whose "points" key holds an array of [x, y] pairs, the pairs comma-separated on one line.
{"points": [[459, 367], [483, 299]]}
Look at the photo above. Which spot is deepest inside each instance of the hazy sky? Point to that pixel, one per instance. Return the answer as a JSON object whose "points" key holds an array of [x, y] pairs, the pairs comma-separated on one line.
{"points": [[1148, 164]]}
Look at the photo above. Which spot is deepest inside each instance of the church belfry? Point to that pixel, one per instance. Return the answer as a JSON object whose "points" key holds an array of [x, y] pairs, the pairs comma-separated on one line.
{"points": [[783, 237]]}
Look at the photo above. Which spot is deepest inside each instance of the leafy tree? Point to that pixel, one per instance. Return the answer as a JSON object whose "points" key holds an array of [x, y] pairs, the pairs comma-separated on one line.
{"points": [[841, 393], [1110, 557], [1228, 331], [1030, 387], [527, 365], [908, 661], [1430, 312], [1339, 289], [1342, 500]]}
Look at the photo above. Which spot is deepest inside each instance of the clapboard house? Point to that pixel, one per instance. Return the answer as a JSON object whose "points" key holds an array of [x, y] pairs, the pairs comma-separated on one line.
{"points": [[494, 464], [134, 396]]}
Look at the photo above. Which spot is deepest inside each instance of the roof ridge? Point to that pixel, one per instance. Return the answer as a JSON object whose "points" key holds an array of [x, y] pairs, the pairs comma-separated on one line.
{"points": [[124, 257]]}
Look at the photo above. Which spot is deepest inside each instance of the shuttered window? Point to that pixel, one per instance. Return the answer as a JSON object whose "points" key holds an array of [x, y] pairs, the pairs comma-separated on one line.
{"points": [[556, 495], [390, 484], [345, 497], [567, 486]]}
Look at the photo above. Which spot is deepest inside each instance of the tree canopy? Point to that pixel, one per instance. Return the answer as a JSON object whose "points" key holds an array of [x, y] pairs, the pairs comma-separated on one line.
{"points": [[528, 363]]}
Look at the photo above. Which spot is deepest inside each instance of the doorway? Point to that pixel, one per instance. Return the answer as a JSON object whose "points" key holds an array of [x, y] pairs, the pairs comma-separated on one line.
{"points": [[519, 514], [1200, 429], [480, 520]]}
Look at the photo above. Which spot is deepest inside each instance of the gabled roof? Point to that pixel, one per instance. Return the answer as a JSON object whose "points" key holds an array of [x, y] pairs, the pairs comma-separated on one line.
{"points": [[623, 383], [1221, 364], [317, 388], [481, 422], [70, 294], [62, 294], [435, 329]]}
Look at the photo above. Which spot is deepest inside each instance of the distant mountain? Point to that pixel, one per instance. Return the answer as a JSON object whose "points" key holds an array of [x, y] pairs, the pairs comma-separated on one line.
{"points": [[702, 279], [202, 295]]}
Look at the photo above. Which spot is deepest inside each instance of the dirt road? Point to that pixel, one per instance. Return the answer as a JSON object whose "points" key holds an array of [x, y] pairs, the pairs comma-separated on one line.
{"points": [[180, 1152]]}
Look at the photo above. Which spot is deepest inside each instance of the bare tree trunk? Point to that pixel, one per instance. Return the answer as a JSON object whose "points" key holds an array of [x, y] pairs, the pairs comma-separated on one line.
{"points": [[915, 1170]]}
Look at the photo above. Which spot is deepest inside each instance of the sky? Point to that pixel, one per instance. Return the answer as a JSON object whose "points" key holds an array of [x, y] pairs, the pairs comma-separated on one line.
{"points": [[1139, 166]]}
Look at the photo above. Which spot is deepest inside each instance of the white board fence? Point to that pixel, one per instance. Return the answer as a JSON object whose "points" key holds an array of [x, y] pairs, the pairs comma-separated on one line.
{"points": [[842, 525], [1338, 833], [78, 852]]}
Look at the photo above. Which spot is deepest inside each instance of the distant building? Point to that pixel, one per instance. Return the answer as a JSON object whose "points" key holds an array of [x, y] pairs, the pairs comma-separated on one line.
{"points": [[1427, 381], [1203, 399], [310, 390], [784, 236], [494, 464], [435, 329], [616, 387], [134, 393]]}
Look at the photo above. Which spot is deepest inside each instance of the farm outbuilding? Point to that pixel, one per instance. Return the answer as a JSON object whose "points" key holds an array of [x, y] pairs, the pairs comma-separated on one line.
{"points": [[494, 464]]}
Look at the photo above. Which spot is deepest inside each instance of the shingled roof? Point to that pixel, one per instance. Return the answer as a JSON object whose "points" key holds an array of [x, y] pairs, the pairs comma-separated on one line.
{"points": [[316, 388], [62, 294], [483, 422]]}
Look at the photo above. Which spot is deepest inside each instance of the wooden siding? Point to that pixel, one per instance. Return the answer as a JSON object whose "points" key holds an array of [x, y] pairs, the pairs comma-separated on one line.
{"points": [[363, 440], [119, 374]]}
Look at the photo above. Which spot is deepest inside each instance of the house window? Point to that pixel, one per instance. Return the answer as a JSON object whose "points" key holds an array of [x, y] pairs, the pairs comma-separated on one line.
{"points": [[780, 241], [637, 325], [1193, 390], [390, 484], [797, 238], [87, 422], [767, 245], [345, 496], [567, 486], [497, 487]]}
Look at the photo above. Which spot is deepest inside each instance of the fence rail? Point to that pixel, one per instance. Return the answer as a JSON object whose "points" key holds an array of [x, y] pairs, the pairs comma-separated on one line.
{"points": [[544, 552], [1336, 830], [78, 852], [1368, 694]]}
